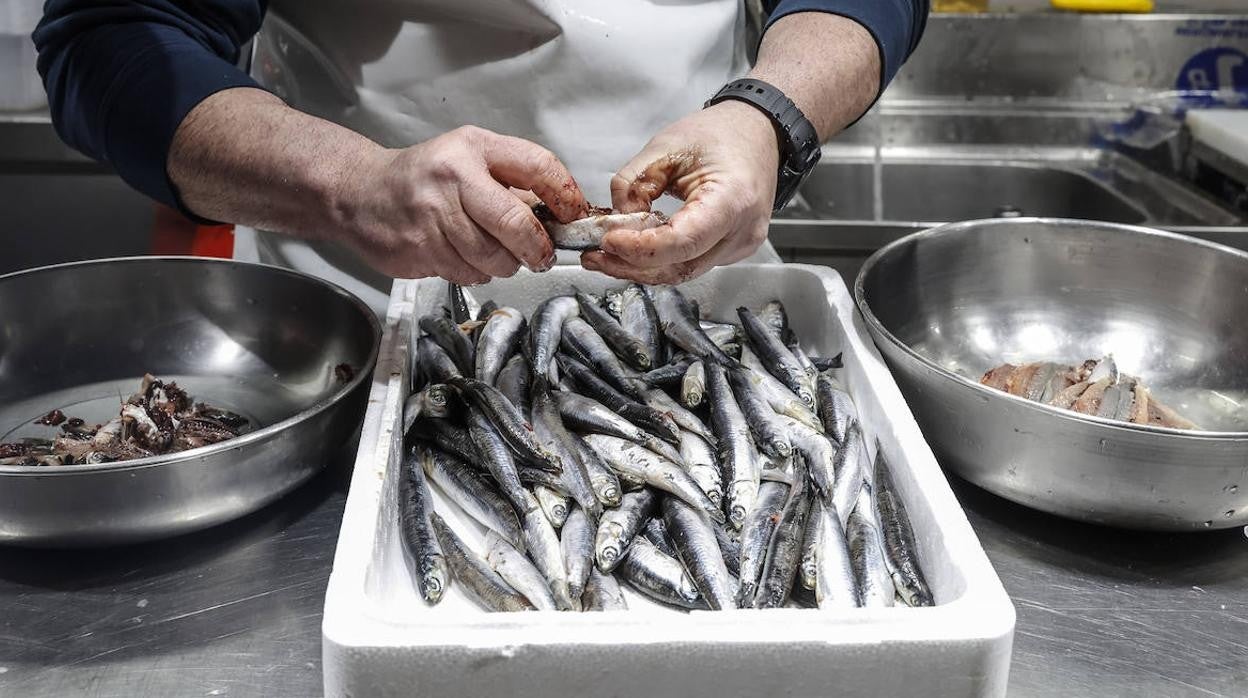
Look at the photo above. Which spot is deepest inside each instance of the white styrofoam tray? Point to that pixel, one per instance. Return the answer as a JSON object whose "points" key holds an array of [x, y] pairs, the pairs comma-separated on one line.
{"points": [[1223, 130], [380, 639]]}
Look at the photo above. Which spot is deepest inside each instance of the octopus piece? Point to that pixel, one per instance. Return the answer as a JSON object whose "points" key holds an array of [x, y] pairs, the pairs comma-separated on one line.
{"points": [[160, 418]]}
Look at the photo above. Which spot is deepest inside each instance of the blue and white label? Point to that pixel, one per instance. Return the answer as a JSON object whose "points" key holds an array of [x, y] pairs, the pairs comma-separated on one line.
{"points": [[1215, 70]]}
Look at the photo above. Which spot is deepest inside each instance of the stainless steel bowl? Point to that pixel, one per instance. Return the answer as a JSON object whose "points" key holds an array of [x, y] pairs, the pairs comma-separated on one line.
{"points": [[259, 340], [949, 303]]}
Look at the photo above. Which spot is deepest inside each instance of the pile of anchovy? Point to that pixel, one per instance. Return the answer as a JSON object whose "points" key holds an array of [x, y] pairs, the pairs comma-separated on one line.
{"points": [[1094, 387], [623, 439], [161, 418]]}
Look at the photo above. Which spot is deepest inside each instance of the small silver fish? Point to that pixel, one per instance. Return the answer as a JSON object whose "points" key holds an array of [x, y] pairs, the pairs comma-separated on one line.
{"points": [[603, 593], [756, 538], [626, 457], [424, 554], [852, 467], [777, 357], [693, 536], [619, 526], [543, 546], [518, 572], [587, 233], [866, 553], [900, 551], [659, 576], [836, 408], [693, 385], [835, 584], [471, 492], [639, 319], [554, 505], [741, 470], [500, 337], [474, 574], [785, 550], [699, 461], [546, 331], [576, 541]]}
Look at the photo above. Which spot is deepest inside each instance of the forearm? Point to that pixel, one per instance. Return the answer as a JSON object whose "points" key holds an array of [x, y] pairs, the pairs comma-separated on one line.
{"points": [[122, 75], [827, 64], [245, 157]]}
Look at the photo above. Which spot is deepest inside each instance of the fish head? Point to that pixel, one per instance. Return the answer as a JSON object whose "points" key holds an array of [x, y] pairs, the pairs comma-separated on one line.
{"points": [[433, 578], [688, 590], [641, 357], [807, 397], [436, 400], [609, 492], [607, 555], [781, 447], [741, 498]]}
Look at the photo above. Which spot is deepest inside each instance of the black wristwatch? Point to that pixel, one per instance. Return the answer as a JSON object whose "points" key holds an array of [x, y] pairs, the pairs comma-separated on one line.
{"points": [[799, 143]]}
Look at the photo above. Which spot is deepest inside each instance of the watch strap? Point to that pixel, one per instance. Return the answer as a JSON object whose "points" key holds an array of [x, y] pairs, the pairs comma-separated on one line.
{"points": [[799, 142]]}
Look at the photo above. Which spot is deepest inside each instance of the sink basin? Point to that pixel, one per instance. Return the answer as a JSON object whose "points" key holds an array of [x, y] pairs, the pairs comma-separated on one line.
{"points": [[941, 191], [955, 192], [860, 198], [904, 186]]}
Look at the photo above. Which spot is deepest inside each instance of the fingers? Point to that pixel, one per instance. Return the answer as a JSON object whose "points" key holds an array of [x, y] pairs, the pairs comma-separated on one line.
{"points": [[526, 165], [672, 274], [509, 221], [733, 248], [654, 171], [478, 248], [699, 225], [435, 256]]}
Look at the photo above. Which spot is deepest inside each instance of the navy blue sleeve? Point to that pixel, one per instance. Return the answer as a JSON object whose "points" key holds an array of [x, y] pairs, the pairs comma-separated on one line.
{"points": [[896, 25], [121, 76]]}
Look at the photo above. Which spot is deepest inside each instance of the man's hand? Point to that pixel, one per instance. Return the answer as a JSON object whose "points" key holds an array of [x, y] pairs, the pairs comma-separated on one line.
{"points": [[722, 161], [439, 208], [443, 207]]}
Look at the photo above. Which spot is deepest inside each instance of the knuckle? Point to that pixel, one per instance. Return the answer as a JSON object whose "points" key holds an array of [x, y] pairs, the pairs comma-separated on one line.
{"points": [[469, 132], [546, 162], [516, 220], [689, 246], [442, 169], [418, 206], [620, 182]]}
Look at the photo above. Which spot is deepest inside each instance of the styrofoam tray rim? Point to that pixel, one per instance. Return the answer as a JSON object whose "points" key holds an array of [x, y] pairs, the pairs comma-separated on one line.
{"points": [[982, 612]]}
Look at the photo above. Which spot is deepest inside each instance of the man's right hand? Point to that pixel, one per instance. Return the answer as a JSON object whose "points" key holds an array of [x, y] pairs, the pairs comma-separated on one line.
{"points": [[443, 207], [439, 208]]}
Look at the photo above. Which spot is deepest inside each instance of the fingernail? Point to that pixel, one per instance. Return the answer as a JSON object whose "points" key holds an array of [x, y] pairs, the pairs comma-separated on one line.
{"points": [[549, 263]]}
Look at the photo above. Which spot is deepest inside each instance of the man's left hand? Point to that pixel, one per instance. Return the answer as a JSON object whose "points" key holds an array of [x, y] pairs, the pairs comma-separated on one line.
{"points": [[723, 162]]}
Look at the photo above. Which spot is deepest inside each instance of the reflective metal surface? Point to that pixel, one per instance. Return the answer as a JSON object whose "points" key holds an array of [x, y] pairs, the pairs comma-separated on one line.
{"points": [[235, 611], [915, 186], [232, 611], [260, 341], [948, 304]]}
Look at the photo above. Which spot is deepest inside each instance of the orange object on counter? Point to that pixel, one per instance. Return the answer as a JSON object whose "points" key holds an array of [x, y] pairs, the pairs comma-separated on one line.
{"points": [[174, 234]]}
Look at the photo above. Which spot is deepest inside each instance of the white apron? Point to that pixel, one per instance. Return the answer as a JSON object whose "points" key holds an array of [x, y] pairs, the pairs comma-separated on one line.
{"points": [[592, 80]]}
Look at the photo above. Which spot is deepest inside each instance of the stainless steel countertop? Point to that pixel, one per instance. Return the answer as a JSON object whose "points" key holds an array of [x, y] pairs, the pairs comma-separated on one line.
{"points": [[236, 611]]}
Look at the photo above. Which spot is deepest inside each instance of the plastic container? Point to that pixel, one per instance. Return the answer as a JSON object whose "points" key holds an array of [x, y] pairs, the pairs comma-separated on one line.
{"points": [[379, 639]]}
